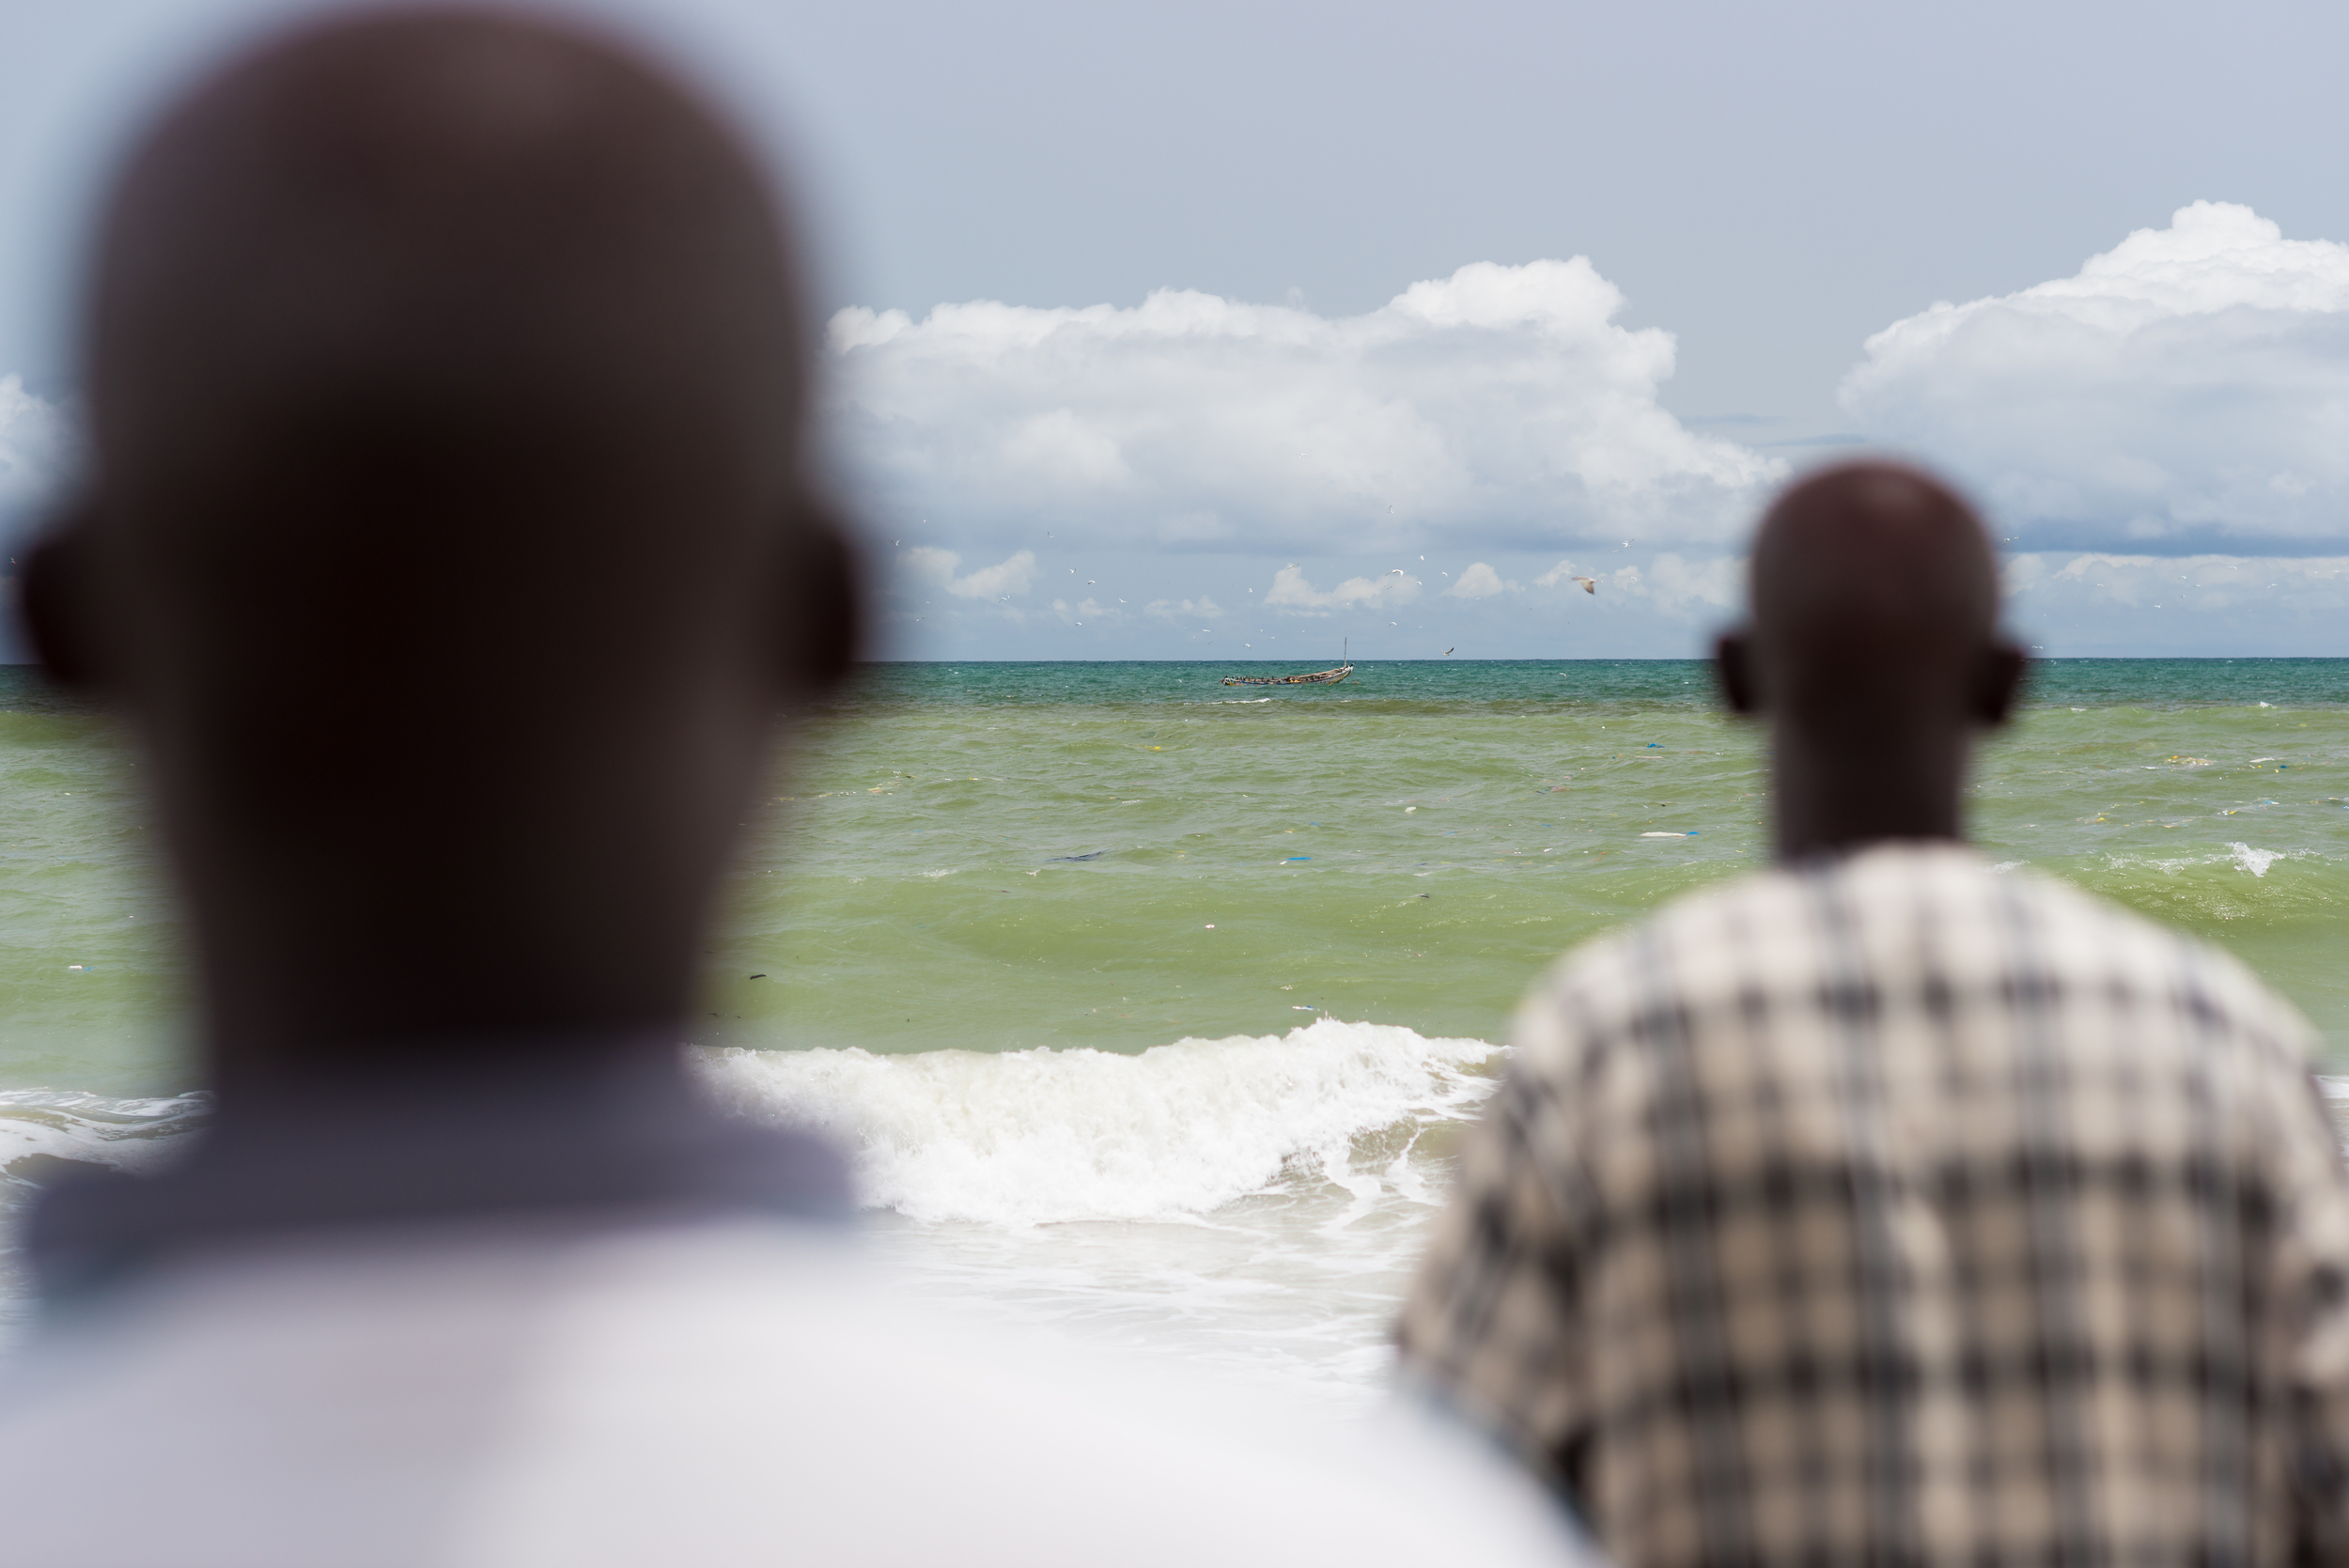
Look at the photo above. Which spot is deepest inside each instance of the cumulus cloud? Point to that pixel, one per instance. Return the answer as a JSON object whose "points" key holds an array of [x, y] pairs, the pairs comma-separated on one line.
{"points": [[35, 448], [1702, 590], [1006, 578], [1502, 403], [1291, 593], [2188, 390], [1088, 612], [2185, 582], [1478, 581], [1200, 609], [2111, 602]]}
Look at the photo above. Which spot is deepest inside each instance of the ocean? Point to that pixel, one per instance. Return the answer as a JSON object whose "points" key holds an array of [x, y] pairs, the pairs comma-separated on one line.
{"points": [[1152, 1009]]}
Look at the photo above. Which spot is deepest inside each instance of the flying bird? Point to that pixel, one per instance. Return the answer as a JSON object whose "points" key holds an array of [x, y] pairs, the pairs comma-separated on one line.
{"points": [[1590, 584], [1447, 653]]}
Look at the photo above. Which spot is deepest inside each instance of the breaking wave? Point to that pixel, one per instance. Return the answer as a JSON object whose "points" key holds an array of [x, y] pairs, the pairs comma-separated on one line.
{"points": [[1042, 1136]]}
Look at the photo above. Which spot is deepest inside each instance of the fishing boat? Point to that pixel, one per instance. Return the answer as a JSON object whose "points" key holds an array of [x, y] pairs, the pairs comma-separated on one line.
{"points": [[1318, 677]]}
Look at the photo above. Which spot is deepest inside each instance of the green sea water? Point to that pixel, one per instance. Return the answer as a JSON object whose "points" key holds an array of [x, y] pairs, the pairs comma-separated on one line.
{"points": [[997, 856], [1148, 1009]]}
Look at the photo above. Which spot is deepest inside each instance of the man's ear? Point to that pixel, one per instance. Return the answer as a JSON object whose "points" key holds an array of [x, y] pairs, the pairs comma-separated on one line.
{"points": [[57, 599], [819, 601], [1998, 683], [1732, 668]]}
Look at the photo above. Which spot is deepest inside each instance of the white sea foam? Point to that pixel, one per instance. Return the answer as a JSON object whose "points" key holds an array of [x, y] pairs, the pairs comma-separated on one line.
{"points": [[128, 1134], [1245, 1207], [2241, 856], [1042, 1136], [2256, 861]]}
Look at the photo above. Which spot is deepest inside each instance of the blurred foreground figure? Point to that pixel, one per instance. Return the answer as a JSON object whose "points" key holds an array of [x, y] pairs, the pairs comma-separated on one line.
{"points": [[1889, 1207], [451, 557]]}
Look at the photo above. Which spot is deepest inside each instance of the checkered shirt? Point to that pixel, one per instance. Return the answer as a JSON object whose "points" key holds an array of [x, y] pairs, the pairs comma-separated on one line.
{"points": [[1893, 1210]]}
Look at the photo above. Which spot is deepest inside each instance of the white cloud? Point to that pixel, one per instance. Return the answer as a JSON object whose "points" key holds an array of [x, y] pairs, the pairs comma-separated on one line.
{"points": [[2108, 601], [1088, 612], [1564, 572], [2185, 582], [2189, 388], [1698, 592], [1292, 593], [1701, 590], [1200, 609], [1478, 581], [1502, 403], [1007, 578], [36, 446]]}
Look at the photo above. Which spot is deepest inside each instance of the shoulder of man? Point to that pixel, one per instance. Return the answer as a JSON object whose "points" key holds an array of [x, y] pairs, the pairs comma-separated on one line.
{"points": [[692, 1392]]}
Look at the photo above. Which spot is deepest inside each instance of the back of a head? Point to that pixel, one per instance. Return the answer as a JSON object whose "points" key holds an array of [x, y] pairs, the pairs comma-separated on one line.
{"points": [[450, 542], [1874, 654], [442, 334], [1875, 594]]}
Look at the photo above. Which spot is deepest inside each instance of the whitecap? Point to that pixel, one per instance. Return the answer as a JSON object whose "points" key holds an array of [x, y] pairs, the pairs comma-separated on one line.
{"points": [[1044, 1135], [2256, 861]]}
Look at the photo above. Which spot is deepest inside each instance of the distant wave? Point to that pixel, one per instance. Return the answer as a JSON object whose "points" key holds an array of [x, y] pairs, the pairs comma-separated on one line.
{"points": [[1036, 1137], [2241, 856]]}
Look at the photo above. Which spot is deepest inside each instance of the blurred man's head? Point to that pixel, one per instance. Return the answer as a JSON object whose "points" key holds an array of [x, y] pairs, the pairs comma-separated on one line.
{"points": [[451, 542], [1872, 652]]}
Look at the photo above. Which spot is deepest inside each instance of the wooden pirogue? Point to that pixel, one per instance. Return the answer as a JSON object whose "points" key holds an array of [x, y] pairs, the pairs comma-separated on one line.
{"points": [[1318, 677]]}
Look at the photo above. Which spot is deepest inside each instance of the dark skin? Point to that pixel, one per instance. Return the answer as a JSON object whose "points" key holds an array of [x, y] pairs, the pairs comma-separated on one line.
{"points": [[451, 553], [1874, 656]]}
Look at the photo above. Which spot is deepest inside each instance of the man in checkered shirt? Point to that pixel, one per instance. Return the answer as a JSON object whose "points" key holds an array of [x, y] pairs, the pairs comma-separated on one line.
{"points": [[1887, 1208]]}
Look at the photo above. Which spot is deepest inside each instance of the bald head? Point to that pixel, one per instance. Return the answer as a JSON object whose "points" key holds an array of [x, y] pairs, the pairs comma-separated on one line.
{"points": [[451, 543], [462, 216], [1870, 572], [1873, 651]]}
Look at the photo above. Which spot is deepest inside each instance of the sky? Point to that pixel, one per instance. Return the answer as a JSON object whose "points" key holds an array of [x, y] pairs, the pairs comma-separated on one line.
{"points": [[1278, 329]]}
